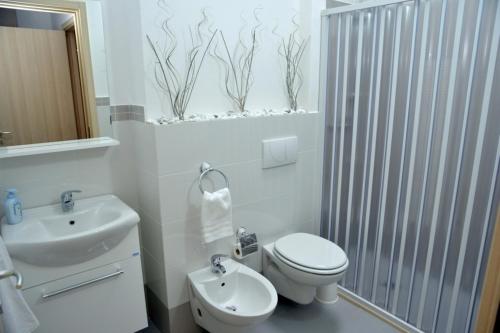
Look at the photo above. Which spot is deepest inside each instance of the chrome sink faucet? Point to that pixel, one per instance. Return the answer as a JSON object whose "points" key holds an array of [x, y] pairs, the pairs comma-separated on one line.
{"points": [[67, 202], [217, 267]]}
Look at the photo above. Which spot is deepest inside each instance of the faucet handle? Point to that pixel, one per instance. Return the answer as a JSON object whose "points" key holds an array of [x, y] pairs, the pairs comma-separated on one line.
{"points": [[69, 194], [216, 258], [217, 267]]}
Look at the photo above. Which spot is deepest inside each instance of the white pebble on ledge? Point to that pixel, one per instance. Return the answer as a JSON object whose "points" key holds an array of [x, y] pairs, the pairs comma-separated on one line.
{"points": [[228, 115]]}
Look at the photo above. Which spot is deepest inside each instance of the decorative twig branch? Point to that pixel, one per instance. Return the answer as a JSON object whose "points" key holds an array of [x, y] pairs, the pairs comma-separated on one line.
{"points": [[180, 88], [238, 66], [292, 50]]}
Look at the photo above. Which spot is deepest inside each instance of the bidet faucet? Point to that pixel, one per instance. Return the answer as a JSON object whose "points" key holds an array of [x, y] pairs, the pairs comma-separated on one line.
{"points": [[67, 202], [217, 267]]}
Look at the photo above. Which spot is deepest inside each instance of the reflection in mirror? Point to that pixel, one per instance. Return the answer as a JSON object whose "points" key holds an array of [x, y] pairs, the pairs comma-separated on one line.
{"points": [[46, 86]]}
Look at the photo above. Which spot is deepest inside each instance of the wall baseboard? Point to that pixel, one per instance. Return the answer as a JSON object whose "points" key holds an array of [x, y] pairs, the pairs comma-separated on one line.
{"points": [[174, 320], [378, 312], [157, 311]]}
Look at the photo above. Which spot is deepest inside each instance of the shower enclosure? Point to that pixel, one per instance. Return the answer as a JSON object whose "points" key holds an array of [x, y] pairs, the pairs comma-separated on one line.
{"points": [[411, 94]]}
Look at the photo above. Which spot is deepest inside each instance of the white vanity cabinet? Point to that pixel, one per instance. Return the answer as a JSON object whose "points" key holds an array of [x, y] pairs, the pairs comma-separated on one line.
{"points": [[103, 295], [105, 299]]}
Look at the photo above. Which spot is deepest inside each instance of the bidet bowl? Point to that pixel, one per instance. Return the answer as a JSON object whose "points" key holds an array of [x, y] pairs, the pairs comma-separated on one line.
{"points": [[239, 297]]}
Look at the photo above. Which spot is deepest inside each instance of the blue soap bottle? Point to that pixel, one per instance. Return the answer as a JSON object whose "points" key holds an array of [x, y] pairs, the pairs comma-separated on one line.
{"points": [[13, 208]]}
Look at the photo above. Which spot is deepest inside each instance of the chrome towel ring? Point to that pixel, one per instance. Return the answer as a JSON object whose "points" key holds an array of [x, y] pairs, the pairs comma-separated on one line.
{"points": [[205, 169]]}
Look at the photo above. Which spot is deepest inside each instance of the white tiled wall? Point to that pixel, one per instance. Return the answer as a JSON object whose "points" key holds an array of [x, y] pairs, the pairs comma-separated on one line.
{"points": [[149, 208], [128, 170], [41, 179], [155, 170], [271, 202]]}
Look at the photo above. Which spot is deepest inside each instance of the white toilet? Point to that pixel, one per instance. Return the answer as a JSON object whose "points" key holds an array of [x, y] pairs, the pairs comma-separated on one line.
{"points": [[303, 267]]}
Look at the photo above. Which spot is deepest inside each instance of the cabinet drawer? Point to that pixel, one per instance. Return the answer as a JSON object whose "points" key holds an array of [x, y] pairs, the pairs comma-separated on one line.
{"points": [[109, 299]]}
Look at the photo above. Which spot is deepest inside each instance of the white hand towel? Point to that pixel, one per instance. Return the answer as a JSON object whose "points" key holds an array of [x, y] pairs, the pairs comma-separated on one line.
{"points": [[17, 316], [216, 215]]}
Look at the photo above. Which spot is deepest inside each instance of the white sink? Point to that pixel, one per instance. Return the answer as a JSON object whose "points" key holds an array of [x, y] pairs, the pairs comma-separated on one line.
{"points": [[49, 237], [233, 301]]}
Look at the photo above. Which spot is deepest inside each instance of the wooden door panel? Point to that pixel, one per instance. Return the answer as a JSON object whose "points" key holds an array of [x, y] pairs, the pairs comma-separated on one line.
{"points": [[36, 100]]}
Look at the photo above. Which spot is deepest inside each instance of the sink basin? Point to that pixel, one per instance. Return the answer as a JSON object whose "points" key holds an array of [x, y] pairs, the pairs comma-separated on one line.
{"points": [[233, 301], [49, 237]]}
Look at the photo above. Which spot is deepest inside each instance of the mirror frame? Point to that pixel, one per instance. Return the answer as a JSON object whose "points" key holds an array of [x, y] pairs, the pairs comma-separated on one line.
{"points": [[78, 10]]}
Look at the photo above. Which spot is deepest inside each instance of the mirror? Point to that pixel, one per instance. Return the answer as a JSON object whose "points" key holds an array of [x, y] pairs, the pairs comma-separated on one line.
{"points": [[53, 77]]}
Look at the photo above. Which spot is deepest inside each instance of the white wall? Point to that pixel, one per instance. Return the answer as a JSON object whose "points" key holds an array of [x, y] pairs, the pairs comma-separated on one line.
{"points": [[155, 171], [155, 168], [40, 179], [131, 61], [123, 38], [270, 202], [97, 47], [268, 90]]}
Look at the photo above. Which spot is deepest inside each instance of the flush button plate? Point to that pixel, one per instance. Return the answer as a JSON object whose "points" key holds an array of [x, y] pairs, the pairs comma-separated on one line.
{"points": [[279, 151]]}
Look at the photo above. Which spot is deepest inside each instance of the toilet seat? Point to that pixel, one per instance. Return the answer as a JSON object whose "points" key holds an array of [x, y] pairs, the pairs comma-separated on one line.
{"points": [[309, 270], [311, 254]]}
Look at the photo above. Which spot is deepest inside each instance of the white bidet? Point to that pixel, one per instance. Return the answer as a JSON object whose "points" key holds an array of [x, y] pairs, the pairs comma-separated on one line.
{"points": [[231, 300]]}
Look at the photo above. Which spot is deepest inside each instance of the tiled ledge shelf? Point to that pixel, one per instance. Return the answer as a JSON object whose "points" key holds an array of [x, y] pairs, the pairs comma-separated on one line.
{"points": [[55, 147], [190, 118]]}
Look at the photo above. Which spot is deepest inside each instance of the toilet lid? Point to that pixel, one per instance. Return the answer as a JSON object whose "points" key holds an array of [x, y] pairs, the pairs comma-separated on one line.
{"points": [[311, 251]]}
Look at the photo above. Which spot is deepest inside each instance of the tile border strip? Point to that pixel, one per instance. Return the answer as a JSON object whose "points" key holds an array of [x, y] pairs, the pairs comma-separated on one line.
{"points": [[127, 112], [102, 101]]}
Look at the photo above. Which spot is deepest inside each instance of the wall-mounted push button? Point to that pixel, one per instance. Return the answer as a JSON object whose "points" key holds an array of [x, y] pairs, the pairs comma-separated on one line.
{"points": [[279, 151]]}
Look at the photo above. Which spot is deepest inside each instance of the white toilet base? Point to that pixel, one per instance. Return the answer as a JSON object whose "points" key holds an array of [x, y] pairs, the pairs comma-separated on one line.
{"points": [[292, 290], [327, 294]]}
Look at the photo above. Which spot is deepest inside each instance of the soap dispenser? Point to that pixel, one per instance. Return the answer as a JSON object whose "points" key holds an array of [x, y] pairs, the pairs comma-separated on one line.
{"points": [[13, 208]]}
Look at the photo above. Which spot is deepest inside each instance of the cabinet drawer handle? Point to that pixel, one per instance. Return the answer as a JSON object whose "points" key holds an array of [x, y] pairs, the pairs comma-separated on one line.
{"points": [[82, 284]]}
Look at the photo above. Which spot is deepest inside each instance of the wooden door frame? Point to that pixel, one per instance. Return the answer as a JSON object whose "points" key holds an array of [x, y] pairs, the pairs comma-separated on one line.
{"points": [[81, 118], [78, 10], [490, 295]]}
